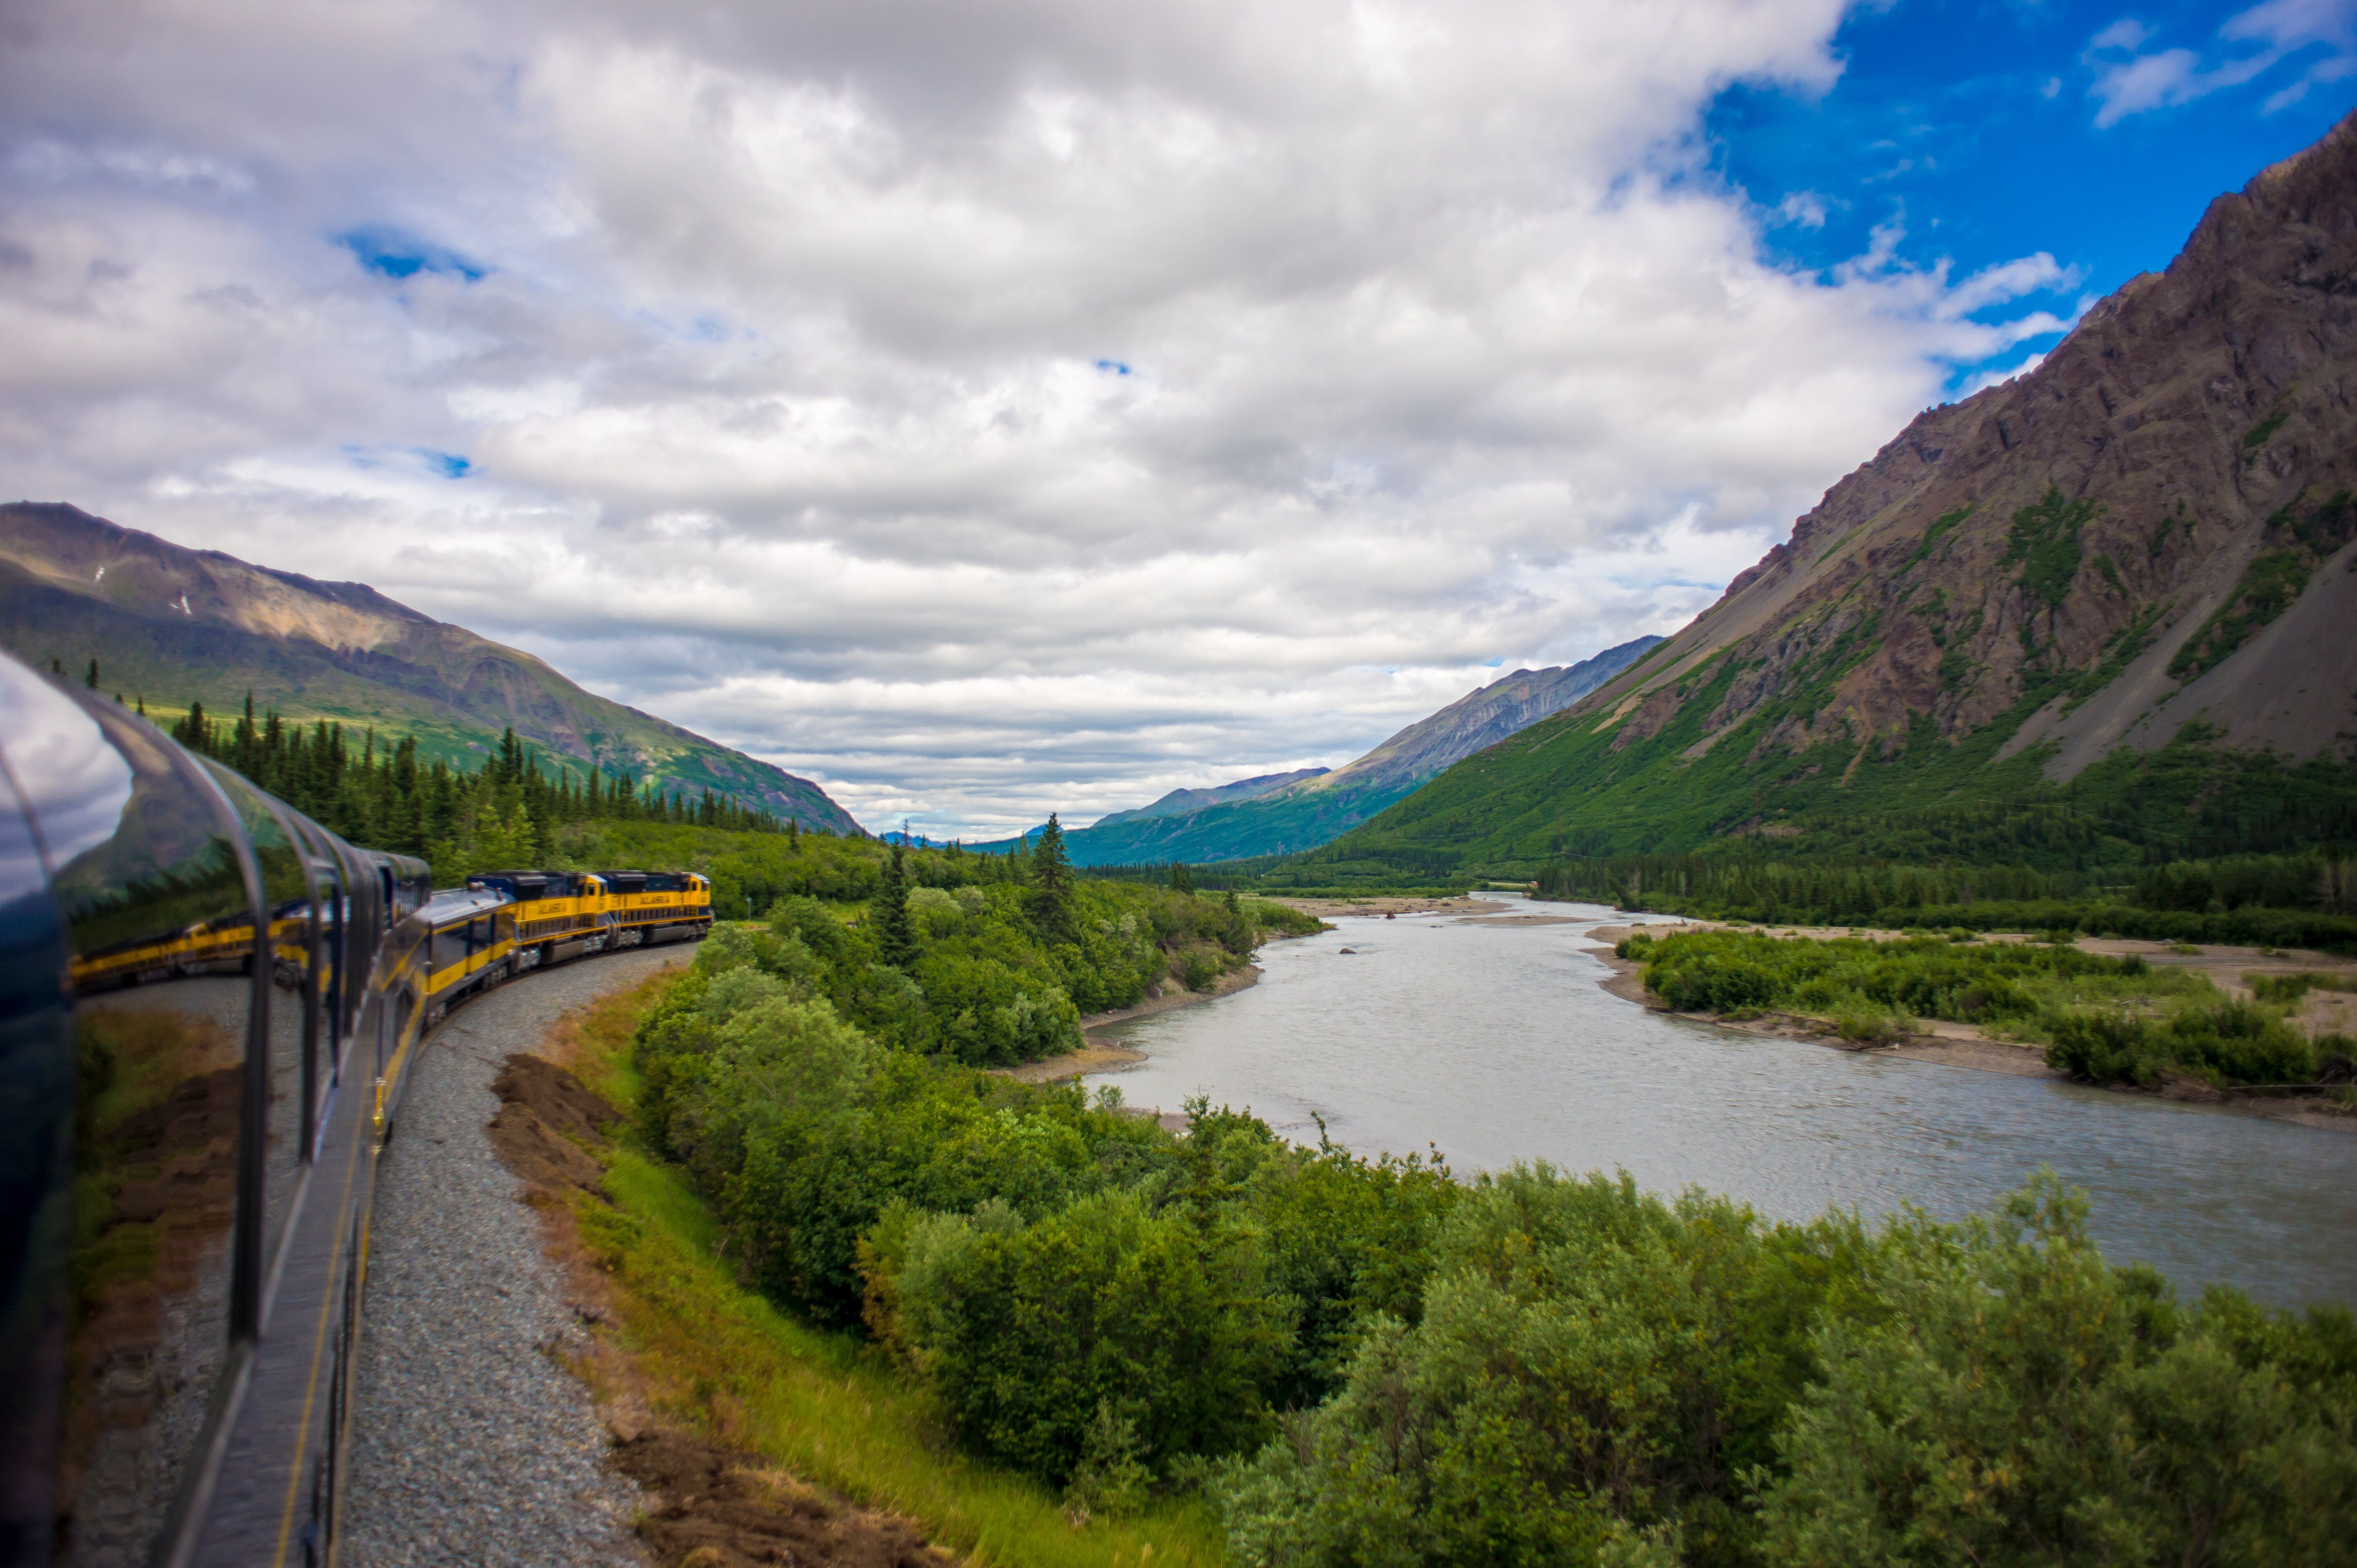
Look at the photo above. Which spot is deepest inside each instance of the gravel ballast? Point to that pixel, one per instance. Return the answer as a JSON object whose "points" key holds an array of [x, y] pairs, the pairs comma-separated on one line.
{"points": [[471, 1443]]}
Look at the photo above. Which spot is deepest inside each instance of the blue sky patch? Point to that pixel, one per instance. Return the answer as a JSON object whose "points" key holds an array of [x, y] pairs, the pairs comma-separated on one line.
{"points": [[390, 253], [1116, 366], [1989, 130], [441, 465]]}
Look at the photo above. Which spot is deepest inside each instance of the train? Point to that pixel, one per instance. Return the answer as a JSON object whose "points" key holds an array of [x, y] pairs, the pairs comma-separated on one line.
{"points": [[210, 1008]]}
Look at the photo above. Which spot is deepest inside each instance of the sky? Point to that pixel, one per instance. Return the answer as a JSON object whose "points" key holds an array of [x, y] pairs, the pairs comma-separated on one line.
{"points": [[1016, 405]]}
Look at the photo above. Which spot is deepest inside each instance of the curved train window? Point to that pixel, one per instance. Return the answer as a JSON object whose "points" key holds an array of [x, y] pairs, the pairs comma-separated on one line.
{"points": [[37, 1113], [286, 901], [363, 930], [321, 977], [159, 899], [449, 947]]}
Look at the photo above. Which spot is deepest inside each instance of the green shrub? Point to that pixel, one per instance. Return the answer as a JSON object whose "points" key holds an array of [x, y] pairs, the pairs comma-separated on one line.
{"points": [[2225, 1042], [2288, 989], [935, 912], [1997, 1394], [1196, 968], [1871, 1025], [1712, 983], [1103, 1314], [1590, 1361]]}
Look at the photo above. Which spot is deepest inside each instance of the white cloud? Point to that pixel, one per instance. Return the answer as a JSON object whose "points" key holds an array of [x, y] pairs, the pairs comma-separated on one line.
{"points": [[2318, 36], [985, 411], [1805, 207]]}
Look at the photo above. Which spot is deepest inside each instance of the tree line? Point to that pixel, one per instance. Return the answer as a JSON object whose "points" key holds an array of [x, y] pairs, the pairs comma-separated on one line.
{"points": [[386, 796], [2307, 900]]}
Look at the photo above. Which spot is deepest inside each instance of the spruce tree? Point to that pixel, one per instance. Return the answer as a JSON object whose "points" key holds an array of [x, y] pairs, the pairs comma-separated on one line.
{"points": [[1181, 879], [1051, 872], [895, 943]]}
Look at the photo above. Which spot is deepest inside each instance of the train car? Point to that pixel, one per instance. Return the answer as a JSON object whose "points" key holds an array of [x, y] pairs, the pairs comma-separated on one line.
{"points": [[204, 1026], [654, 905], [208, 1009], [559, 915], [471, 947]]}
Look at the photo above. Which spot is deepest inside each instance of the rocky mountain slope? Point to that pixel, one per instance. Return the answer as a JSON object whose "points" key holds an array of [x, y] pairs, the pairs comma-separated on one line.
{"points": [[1179, 802], [1320, 806], [173, 626], [2128, 571]]}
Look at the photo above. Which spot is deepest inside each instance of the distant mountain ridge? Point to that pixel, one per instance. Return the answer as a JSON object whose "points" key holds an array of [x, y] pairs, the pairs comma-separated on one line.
{"points": [[1482, 718], [173, 624], [1285, 818], [2126, 580], [1178, 802]]}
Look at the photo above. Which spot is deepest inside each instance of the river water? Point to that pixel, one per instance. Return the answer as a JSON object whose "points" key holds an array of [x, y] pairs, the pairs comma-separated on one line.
{"points": [[1496, 1043]]}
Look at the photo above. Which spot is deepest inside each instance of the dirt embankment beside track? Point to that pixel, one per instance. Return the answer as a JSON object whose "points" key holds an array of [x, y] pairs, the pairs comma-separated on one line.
{"points": [[707, 1506]]}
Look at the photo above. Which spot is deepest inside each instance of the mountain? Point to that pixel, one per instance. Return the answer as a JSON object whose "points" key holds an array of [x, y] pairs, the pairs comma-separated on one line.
{"points": [[2113, 595], [1179, 802], [1481, 719], [172, 625], [1301, 815]]}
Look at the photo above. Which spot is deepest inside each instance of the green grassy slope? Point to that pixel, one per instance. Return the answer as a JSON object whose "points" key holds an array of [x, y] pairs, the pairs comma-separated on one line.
{"points": [[1560, 790]]}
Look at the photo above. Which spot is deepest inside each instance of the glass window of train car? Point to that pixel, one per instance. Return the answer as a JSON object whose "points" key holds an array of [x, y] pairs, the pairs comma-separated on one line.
{"points": [[162, 913], [281, 1121], [36, 1115], [449, 947], [321, 966], [363, 930]]}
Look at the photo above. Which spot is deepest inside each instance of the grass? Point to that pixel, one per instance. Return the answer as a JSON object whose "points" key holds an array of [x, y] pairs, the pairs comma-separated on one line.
{"points": [[718, 1359], [2292, 988]]}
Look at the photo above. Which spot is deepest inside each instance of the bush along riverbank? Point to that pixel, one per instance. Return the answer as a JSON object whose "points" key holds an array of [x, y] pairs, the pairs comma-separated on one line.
{"points": [[1357, 1361], [2103, 1020]]}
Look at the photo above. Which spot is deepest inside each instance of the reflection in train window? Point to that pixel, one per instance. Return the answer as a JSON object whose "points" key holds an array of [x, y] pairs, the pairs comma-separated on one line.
{"points": [[286, 900], [161, 922], [37, 1089]]}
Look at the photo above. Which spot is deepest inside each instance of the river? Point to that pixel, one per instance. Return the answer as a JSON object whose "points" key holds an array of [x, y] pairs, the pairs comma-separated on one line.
{"points": [[1496, 1044]]}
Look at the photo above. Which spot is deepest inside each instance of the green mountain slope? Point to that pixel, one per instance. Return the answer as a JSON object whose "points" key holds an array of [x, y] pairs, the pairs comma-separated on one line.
{"points": [[172, 625], [2103, 612]]}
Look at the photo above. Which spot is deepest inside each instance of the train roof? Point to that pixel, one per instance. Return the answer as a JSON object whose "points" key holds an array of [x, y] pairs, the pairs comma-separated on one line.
{"points": [[463, 903], [527, 884]]}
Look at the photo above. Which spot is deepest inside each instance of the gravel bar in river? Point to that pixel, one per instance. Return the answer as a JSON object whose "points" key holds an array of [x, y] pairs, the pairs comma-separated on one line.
{"points": [[472, 1445]]}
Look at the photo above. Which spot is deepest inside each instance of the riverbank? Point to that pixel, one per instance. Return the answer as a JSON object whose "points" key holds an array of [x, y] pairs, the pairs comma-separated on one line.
{"points": [[1946, 1044], [1390, 907], [1097, 1056]]}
